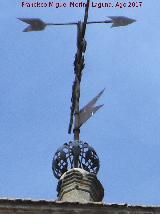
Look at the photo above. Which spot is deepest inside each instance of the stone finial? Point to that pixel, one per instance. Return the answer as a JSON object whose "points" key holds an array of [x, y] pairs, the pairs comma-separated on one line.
{"points": [[78, 185]]}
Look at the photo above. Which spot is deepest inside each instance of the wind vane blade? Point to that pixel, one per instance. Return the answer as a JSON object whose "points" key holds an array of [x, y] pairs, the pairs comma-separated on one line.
{"points": [[85, 115], [89, 110], [92, 102]]}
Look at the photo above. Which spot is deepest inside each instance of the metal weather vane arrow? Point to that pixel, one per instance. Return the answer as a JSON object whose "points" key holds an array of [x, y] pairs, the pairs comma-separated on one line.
{"points": [[78, 117], [77, 153], [118, 21], [36, 24]]}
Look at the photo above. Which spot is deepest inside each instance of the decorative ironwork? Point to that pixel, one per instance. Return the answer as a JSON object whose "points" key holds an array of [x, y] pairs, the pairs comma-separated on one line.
{"points": [[76, 154]]}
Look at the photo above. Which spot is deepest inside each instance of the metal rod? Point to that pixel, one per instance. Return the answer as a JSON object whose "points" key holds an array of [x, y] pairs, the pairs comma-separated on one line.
{"points": [[85, 18], [69, 23], [78, 70], [79, 65], [75, 23], [100, 22]]}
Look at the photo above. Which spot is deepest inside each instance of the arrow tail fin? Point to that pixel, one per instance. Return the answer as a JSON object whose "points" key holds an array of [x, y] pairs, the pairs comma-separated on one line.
{"points": [[89, 110]]}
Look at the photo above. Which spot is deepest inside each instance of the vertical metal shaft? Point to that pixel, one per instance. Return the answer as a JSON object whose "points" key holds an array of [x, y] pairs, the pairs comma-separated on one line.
{"points": [[85, 18], [78, 73], [79, 65]]}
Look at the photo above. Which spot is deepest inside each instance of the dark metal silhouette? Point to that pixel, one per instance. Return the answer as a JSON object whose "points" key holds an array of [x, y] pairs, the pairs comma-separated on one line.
{"points": [[34, 24], [76, 154], [78, 67]]}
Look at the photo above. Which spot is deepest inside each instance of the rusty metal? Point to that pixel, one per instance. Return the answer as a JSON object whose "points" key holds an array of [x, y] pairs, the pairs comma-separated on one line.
{"points": [[78, 67], [77, 154]]}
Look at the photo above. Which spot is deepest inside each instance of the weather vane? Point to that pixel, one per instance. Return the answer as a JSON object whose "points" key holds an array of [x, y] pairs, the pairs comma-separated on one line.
{"points": [[76, 153]]}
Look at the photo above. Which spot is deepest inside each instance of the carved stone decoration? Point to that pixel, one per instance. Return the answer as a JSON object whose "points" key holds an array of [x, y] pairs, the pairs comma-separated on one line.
{"points": [[78, 185]]}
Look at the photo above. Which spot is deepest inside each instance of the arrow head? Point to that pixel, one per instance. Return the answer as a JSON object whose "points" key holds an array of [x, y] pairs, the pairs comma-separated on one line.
{"points": [[118, 21]]}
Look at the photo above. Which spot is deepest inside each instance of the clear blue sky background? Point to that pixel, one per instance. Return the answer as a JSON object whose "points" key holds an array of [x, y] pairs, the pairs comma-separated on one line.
{"points": [[36, 75]]}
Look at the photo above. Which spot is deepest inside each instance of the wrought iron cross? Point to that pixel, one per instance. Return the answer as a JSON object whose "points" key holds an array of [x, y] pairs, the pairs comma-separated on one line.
{"points": [[77, 153]]}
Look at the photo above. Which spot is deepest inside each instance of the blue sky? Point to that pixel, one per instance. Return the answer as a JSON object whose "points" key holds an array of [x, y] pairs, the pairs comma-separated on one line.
{"points": [[36, 75]]}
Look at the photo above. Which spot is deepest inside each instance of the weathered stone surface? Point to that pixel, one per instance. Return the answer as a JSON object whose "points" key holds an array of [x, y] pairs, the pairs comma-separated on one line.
{"points": [[78, 185], [58, 207]]}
